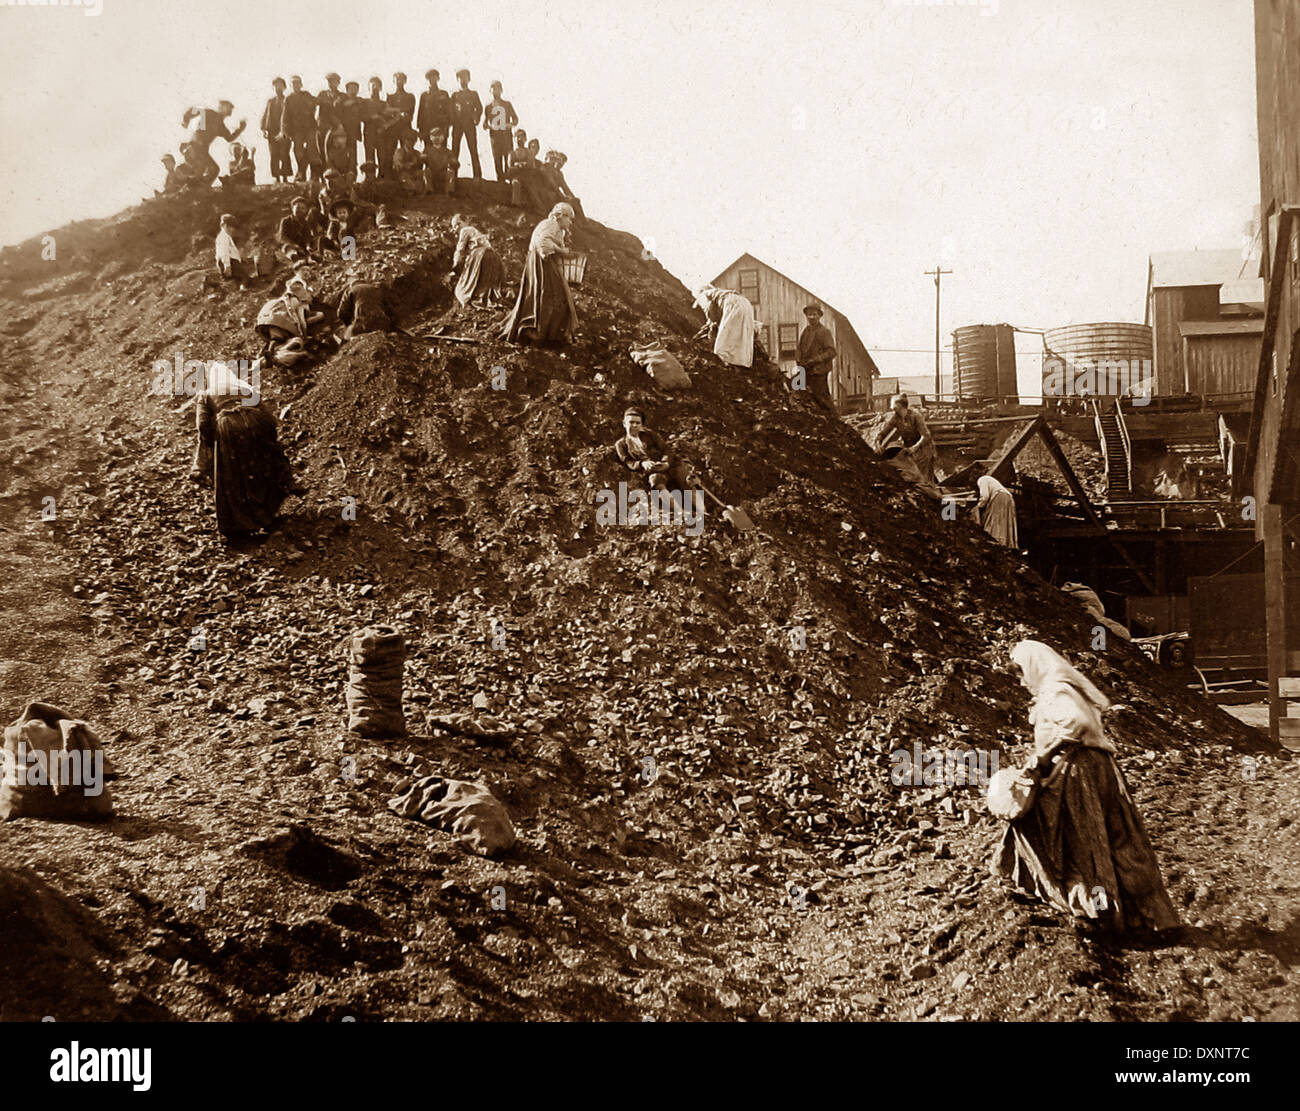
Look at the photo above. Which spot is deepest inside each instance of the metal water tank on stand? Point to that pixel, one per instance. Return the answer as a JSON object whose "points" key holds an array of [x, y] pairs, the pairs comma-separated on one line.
{"points": [[984, 362]]}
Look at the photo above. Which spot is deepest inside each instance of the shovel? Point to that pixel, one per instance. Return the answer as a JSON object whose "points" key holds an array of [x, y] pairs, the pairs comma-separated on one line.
{"points": [[733, 514]]}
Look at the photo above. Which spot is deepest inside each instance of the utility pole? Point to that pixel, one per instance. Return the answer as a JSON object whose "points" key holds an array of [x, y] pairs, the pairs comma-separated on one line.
{"points": [[938, 272]]}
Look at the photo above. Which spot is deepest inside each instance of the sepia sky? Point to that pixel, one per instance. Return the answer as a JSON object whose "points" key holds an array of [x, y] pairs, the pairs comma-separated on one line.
{"points": [[1041, 149]]}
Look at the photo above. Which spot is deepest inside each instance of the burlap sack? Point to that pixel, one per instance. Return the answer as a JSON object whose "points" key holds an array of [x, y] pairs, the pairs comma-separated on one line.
{"points": [[468, 810], [53, 768], [662, 366], [377, 655]]}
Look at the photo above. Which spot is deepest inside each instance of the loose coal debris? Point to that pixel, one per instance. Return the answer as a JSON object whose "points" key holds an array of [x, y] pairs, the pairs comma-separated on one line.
{"points": [[695, 733]]}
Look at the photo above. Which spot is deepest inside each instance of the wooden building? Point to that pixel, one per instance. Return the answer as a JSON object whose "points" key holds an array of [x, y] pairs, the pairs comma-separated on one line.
{"points": [[1273, 445], [1221, 356], [1183, 300], [778, 310]]}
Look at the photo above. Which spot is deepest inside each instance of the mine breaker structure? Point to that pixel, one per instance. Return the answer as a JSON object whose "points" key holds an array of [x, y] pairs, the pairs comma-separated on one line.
{"points": [[1166, 469], [1156, 416]]}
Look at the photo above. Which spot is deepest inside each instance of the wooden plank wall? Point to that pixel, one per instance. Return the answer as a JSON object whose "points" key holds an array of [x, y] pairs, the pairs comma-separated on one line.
{"points": [[781, 301], [1169, 306], [1277, 92], [1221, 364]]}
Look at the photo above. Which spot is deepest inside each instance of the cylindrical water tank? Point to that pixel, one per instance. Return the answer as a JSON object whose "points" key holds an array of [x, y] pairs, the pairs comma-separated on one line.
{"points": [[1099, 360], [984, 362]]}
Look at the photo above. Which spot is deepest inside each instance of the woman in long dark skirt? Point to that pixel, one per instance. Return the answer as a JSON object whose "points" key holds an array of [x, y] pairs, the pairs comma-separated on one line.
{"points": [[238, 453], [481, 274], [544, 311], [1081, 846]]}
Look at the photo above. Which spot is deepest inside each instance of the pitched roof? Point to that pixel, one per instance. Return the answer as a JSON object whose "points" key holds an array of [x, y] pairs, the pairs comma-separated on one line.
{"points": [[1184, 268], [844, 326]]}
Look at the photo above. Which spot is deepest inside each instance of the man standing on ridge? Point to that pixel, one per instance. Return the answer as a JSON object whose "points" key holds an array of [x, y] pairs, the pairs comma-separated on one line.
{"points": [[372, 116], [434, 112], [327, 115], [277, 142], [816, 354], [401, 99], [349, 113], [498, 119], [300, 126], [466, 111]]}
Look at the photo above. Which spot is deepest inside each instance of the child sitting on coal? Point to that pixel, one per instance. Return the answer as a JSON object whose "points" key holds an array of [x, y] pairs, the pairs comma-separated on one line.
{"points": [[408, 166], [345, 223], [671, 498], [642, 451], [440, 166], [241, 172], [299, 233], [230, 260], [178, 179]]}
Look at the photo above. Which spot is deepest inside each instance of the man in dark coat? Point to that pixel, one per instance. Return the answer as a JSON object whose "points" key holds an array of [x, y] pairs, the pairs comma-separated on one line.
{"points": [[816, 354], [466, 111], [434, 112], [372, 116], [327, 116], [349, 112], [403, 99], [498, 119], [300, 126], [277, 142]]}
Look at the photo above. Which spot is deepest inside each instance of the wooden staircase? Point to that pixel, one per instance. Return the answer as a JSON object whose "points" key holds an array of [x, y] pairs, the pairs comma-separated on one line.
{"points": [[1115, 448]]}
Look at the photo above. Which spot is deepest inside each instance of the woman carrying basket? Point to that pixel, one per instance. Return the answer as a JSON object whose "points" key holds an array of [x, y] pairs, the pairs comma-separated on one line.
{"points": [[1075, 837], [544, 311]]}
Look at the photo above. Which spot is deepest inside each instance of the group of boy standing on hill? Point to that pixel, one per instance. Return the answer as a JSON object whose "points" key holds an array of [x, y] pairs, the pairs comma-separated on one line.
{"points": [[311, 135], [323, 130]]}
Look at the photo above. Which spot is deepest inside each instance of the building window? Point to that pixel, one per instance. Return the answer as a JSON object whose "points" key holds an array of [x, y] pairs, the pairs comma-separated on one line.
{"points": [[765, 339], [788, 335], [749, 285]]}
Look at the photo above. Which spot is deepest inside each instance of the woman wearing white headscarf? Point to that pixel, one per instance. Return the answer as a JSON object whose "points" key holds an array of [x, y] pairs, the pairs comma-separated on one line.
{"points": [[733, 317], [996, 511], [544, 311], [1081, 846]]}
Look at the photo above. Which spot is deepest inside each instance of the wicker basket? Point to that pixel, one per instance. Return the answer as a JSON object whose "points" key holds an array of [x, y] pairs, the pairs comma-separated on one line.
{"points": [[575, 266]]}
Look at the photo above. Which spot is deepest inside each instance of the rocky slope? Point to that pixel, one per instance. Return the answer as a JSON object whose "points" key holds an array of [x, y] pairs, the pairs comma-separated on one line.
{"points": [[692, 733]]}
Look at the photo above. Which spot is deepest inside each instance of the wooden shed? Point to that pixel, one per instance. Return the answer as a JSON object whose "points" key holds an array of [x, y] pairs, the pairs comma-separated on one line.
{"points": [[778, 310], [1221, 356], [1182, 287]]}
